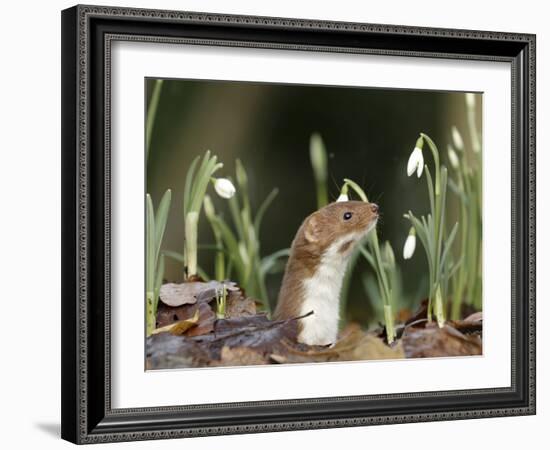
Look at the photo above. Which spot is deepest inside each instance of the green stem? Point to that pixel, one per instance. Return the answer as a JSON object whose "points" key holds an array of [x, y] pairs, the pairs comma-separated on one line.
{"points": [[150, 313], [318, 158], [436, 215], [344, 292], [191, 236], [439, 311], [219, 262], [435, 154], [390, 327], [379, 269], [322, 194]]}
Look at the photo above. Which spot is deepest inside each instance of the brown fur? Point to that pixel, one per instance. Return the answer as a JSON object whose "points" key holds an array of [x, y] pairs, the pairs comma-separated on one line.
{"points": [[315, 235]]}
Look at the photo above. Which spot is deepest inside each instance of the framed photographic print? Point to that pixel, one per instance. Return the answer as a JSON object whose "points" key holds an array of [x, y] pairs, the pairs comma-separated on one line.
{"points": [[281, 224]]}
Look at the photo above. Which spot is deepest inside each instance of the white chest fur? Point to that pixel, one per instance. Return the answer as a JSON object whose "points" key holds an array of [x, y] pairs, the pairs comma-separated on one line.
{"points": [[322, 296]]}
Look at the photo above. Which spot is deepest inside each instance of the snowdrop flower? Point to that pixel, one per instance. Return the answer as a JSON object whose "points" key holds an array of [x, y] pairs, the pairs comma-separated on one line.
{"points": [[224, 187], [343, 194], [343, 198], [416, 162], [410, 244], [470, 100], [453, 157], [457, 139]]}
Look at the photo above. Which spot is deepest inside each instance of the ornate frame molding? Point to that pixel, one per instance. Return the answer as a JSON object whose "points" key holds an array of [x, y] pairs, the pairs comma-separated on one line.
{"points": [[84, 421]]}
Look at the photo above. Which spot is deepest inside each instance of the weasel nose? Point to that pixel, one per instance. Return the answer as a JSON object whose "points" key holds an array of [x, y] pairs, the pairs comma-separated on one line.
{"points": [[374, 208]]}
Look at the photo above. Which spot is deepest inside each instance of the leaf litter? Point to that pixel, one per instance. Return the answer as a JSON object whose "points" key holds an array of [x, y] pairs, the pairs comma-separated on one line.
{"points": [[188, 334]]}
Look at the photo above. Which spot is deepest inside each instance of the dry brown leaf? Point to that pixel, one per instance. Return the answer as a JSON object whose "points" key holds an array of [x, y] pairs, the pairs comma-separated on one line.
{"points": [[238, 305], [179, 327], [254, 332], [167, 315], [205, 325], [372, 348], [189, 293], [475, 317], [166, 351], [432, 341], [354, 345], [240, 356]]}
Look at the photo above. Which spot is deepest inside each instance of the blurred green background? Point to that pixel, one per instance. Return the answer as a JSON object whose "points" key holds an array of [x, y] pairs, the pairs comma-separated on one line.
{"points": [[369, 134]]}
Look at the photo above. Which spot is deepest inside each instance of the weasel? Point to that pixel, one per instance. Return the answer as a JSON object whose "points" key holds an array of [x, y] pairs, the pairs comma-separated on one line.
{"points": [[316, 266]]}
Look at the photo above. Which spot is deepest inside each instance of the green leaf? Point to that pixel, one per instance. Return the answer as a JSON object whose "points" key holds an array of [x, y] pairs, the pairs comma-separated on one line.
{"points": [[234, 209], [152, 113], [269, 262], [442, 211], [174, 255], [428, 225], [366, 254], [242, 177], [372, 290], [446, 248], [201, 183], [161, 219], [214, 247], [188, 185], [429, 181], [457, 190], [150, 244], [262, 210], [202, 273], [422, 234], [200, 173], [451, 271], [318, 157], [158, 283], [231, 245]]}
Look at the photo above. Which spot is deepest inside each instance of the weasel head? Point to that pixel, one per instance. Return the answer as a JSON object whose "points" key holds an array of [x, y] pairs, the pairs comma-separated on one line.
{"points": [[345, 223]]}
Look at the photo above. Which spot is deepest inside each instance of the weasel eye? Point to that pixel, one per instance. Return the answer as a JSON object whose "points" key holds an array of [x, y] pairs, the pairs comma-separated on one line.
{"points": [[347, 216]]}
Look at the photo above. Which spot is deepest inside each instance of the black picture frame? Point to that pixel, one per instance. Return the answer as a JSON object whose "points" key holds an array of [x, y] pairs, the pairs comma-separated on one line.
{"points": [[87, 33]]}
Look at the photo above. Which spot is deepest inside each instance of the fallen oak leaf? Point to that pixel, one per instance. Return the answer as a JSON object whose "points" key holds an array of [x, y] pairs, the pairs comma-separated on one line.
{"points": [[179, 327]]}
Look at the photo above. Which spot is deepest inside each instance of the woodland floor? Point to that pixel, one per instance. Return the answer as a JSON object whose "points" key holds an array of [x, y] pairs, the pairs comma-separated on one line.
{"points": [[189, 334]]}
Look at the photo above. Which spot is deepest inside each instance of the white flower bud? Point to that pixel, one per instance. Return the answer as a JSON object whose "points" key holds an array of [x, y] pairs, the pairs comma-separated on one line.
{"points": [[470, 100], [457, 139], [343, 198], [410, 244], [224, 187], [453, 157], [416, 162]]}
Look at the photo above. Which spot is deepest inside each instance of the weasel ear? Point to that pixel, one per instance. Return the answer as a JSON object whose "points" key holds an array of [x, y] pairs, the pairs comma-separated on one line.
{"points": [[313, 229]]}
